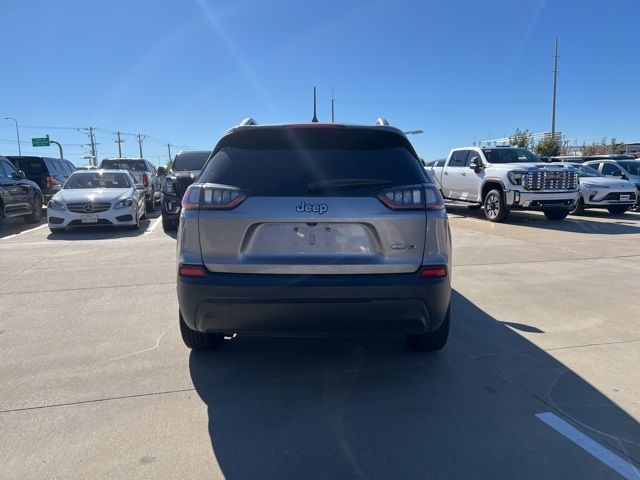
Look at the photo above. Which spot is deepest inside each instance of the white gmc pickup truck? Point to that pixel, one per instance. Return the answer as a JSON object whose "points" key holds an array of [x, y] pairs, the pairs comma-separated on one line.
{"points": [[501, 179]]}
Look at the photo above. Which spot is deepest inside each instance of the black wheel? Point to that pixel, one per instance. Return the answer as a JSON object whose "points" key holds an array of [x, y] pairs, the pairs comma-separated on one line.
{"points": [[432, 341], [474, 206], [556, 214], [618, 209], [56, 229], [198, 340], [169, 225], [151, 203], [578, 207], [36, 210], [494, 208]]}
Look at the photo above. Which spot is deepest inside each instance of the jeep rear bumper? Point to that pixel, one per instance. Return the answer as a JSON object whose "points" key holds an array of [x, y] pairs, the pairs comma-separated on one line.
{"points": [[313, 305]]}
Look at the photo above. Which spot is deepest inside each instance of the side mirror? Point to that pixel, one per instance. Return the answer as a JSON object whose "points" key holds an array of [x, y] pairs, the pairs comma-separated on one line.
{"points": [[162, 171], [21, 175], [475, 164], [624, 177], [139, 186], [616, 174]]}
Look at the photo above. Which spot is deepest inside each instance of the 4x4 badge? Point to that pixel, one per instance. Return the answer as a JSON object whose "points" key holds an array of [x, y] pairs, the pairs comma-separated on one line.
{"points": [[319, 208]]}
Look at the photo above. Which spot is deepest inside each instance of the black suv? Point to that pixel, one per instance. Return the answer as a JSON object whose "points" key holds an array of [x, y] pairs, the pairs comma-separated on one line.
{"points": [[18, 197], [49, 173], [183, 171]]}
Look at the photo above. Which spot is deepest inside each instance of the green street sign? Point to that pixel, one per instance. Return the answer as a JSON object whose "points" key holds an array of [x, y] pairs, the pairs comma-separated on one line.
{"points": [[41, 142]]}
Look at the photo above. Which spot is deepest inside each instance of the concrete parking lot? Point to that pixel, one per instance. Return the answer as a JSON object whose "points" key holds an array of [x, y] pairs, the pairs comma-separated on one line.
{"points": [[96, 382]]}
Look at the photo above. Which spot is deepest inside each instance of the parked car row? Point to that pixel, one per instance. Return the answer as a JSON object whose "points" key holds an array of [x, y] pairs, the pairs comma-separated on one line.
{"points": [[501, 179]]}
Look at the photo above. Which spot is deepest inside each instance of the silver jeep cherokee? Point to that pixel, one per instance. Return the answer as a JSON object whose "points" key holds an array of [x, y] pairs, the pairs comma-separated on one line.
{"points": [[314, 229]]}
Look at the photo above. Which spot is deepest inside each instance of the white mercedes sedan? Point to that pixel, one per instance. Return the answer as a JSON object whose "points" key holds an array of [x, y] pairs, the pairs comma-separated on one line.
{"points": [[97, 198]]}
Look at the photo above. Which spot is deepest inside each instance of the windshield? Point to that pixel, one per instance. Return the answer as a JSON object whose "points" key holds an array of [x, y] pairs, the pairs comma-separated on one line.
{"points": [[509, 155], [631, 166], [297, 163], [586, 171], [190, 161], [132, 165], [82, 180]]}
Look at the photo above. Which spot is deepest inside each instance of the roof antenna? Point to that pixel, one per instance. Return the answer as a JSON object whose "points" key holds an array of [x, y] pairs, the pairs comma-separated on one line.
{"points": [[315, 118]]}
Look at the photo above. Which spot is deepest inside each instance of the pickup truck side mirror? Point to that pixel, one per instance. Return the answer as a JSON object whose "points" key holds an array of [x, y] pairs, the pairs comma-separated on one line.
{"points": [[476, 164], [20, 175], [625, 177]]}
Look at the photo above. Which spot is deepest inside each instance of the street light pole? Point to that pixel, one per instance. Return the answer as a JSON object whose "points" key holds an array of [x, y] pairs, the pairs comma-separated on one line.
{"points": [[17, 133]]}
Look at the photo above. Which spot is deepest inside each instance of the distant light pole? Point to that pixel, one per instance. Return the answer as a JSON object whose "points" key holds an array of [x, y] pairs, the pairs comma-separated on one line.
{"points": [[17, 133], [414, 132]]}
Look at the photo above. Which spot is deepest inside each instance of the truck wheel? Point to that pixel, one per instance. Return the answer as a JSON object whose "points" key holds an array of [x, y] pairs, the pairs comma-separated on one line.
{"points": [[151, 203], [578, 207], [36, 210], [432, 341], [169, 225], [556, 214], [494, 208], [618, 209], [198, 340]]}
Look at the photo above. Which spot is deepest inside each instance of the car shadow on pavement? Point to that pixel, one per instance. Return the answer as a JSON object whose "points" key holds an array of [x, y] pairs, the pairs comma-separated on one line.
{"points": [[17, 225], [590, 222], [103, 233], [371, 408]]}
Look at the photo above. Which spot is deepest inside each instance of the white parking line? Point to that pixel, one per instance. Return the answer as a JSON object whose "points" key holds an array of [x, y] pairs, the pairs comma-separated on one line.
{"points": [[25, 231], [592, 447], [153, 226]]}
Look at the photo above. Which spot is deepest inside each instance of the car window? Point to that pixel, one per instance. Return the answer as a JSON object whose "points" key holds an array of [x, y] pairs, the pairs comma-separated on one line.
{"points": [[611, 169], [473, 155], [459, 158], [631, 166], [31, 165], [5, 169], [87, 180], [288, 162], [586, 170], [132, 165], [190, 161]]}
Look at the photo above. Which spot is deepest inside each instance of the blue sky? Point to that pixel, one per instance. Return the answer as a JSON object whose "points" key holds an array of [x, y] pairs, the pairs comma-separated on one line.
{"points": [[184, 71]]}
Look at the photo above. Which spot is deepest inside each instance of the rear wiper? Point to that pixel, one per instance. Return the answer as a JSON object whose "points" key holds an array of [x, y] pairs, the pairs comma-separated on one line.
{"points": [[346, 183]]}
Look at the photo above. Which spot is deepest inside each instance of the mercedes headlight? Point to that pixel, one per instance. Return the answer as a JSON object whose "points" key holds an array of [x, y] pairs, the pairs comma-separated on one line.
{"points": [[56, 205], [125, 202]]}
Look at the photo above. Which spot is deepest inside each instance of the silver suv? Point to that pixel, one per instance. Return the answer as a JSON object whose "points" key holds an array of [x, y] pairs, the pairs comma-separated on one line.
{"points": [[313, 229]]}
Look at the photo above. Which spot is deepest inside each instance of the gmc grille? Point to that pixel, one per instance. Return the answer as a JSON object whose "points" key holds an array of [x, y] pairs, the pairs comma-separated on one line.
{"points": [[552, 180]]}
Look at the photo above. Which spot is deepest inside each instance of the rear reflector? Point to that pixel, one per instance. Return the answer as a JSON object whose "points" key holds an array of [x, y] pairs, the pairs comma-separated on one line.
{"points": [[191, 271], [145, 180], [48, 181], [433, 272]]}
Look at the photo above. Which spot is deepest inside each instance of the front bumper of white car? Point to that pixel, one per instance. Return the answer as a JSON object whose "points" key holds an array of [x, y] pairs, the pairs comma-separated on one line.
{"points": [[111, 217], [603, 197], [541, 200]]}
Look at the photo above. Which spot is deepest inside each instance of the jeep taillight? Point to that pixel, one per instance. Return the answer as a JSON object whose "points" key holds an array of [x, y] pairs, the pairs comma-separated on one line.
{"points": [[212, 197], [412, 198]]}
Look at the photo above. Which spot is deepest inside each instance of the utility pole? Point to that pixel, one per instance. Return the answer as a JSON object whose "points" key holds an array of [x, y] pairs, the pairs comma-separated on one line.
{"points": [[119, 142], [555, 81], [17, 133], [169, 150], [140, 140], [94, 153], [333, 109]]}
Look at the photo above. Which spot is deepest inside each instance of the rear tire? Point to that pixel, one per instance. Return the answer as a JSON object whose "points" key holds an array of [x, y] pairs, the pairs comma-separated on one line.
{"points": [[578, 208], [618, 209], [169, 225], [495, 209], [36, 210], [432, 341], [151, 203], [556, 214], [198, 340]]}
